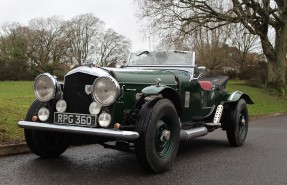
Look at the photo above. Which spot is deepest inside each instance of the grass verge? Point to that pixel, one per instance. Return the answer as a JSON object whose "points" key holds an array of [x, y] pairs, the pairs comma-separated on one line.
{"points": [[266, 101], [16, 98]]}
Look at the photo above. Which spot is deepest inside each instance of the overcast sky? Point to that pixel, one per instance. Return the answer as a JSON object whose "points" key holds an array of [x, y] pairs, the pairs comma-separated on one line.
{"points": [[117, 14]]}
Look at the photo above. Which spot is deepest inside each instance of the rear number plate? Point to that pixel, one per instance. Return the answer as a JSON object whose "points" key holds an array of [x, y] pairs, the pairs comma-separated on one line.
{"points": [[75, 119]]}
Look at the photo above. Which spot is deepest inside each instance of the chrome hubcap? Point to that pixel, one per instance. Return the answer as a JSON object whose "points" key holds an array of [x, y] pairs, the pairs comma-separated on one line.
{"points": [[242, 125], [165, 136], [243, 121]]}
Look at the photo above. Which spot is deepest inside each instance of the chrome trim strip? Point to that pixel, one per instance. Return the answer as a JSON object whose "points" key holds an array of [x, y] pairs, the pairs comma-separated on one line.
{"points": [[169, 65], [210, 112], [102, 132], [90, 71], [232, 95], [188, 69]]}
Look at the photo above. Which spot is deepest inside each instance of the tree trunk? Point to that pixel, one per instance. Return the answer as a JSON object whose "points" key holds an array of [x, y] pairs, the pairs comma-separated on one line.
{"points": [[276, 69], [276, 76]]}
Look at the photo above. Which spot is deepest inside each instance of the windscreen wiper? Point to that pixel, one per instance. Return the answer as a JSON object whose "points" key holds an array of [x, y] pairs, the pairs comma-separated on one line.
{"points": [[144, 52]]}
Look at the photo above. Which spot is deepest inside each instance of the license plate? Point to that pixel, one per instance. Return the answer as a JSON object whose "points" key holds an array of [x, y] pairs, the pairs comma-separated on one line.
{"points": [[75, 119]]}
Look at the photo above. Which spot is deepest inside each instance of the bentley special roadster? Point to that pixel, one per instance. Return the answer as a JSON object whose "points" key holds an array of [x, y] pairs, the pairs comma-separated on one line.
{"points": [[146, 107]]}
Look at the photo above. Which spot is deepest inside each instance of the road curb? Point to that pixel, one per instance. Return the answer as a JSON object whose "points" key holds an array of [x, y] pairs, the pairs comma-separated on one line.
{"points": [[14, 149], [22, 148]]}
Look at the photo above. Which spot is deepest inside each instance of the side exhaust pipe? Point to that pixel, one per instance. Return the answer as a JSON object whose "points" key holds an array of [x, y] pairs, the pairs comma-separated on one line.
{"points": [[193, 133]]}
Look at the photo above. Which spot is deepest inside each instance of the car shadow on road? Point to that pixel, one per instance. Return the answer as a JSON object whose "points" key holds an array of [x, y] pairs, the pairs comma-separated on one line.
{"points": [[201, 145], [94, 164]]}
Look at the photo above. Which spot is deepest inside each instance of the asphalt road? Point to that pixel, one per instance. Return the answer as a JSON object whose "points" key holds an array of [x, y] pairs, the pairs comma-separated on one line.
{"points": [[205, 160]]}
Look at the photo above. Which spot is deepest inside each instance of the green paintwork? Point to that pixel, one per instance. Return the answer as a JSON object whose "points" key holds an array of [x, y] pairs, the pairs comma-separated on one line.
{"points": [[175, 84], [195, 106], [132, 82], [143, 77], [202, 103]]}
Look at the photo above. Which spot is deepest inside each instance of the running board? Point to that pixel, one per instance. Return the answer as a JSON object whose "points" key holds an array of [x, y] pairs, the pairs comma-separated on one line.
{"points": [[193, 133]]}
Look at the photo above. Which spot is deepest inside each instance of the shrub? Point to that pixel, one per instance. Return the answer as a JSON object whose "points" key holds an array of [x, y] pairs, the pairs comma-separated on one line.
{"points": [[15, 70], [254, 74]]}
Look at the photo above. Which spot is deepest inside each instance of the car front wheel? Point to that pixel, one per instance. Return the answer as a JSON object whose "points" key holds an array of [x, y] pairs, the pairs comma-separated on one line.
{"points": [[43, 143], [158, 126]]}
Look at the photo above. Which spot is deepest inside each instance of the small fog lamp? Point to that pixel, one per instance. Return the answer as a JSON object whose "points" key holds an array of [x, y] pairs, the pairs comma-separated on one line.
{"points": [[117, 126], [104, 119], [95, 108], [61, 106], [43, 114], [34, 118]]}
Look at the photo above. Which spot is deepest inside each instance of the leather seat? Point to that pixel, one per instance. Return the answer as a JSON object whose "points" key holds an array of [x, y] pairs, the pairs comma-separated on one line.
{"points": [[206, 85]]}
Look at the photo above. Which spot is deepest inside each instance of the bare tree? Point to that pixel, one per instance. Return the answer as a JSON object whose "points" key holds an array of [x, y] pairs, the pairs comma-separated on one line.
{"points": [[244, 43], [210, 45], [48, 44], [45, 44], [83, 32], [112, 48], [13, 41], [257, 16], [13, 51]]}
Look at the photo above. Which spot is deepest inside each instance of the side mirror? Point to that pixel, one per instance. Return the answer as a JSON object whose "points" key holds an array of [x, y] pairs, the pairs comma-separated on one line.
{"points": [[200, 71]]}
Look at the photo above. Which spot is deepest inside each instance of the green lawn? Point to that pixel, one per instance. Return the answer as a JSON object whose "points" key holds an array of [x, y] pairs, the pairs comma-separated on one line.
{"points": [[16, 97], [266, 101]]}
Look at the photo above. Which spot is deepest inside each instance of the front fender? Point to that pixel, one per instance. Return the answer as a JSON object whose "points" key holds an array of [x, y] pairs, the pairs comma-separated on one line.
{"points": [[237, 95], [166, 92], [153, 89]]}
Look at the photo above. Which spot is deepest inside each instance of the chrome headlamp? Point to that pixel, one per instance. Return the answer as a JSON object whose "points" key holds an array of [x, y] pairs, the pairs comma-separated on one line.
{"points": [[45, 86], [106, 90]]}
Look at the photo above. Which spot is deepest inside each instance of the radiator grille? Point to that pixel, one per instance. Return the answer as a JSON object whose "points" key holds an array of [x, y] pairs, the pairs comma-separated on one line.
{"points": [[78, 101]]}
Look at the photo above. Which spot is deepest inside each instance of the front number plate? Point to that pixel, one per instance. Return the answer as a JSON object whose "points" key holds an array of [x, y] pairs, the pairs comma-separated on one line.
{"points": [[75, 119]]}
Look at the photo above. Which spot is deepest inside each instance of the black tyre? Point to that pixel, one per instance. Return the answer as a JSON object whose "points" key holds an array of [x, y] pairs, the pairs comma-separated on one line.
{"points": [[43, 143], [158, 126], [237, 125]]}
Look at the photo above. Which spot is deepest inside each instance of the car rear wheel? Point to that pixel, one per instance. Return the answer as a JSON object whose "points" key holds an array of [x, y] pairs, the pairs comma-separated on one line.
{"points": [[237, 125], [43, 143], [158, 126]]}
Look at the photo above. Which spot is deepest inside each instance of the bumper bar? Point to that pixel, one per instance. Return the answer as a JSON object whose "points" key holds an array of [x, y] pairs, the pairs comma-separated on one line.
{"points": [[101, 132]]}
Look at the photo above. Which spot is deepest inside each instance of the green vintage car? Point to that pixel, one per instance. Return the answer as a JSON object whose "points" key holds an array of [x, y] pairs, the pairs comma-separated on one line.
{"points": [[146, 107]]}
